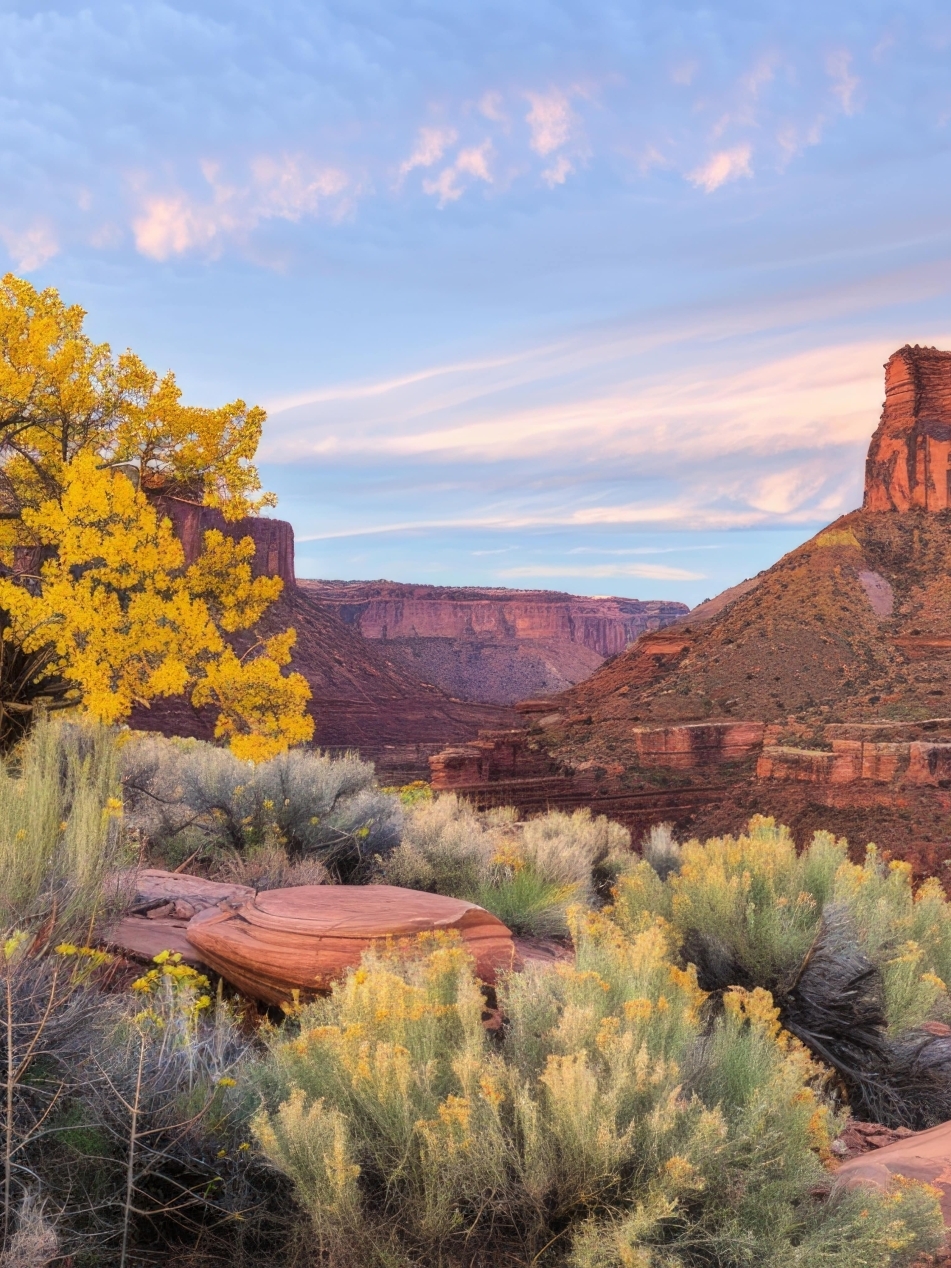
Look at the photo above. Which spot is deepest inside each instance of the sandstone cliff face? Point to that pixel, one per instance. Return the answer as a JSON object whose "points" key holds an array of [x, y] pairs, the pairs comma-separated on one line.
{"points": [[362, 699], [388, 610], [492, 645], [273, 539], [909, 459]]}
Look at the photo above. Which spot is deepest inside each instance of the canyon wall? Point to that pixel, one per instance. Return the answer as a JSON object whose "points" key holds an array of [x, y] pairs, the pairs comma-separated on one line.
{"points": [[362, 698], [389, 610], [492, 645]]}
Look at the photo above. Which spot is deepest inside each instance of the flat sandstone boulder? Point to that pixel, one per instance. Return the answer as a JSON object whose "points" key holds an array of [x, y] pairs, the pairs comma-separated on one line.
{"points": [[303, 938]]}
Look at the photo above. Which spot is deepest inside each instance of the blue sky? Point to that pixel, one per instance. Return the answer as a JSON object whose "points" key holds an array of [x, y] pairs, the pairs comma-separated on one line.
{"points": [[587, 296]]}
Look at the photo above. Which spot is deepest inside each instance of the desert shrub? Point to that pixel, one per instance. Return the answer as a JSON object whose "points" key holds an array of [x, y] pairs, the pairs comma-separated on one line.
{"points": [[168, 1093], [190, 798], [856, 957], [610, 1126], [60, 825], [130, 1122], [48, 1013], [661, 850], [528, 874], [269, 867], [34, 1242], [445, 846], [410, 794]]}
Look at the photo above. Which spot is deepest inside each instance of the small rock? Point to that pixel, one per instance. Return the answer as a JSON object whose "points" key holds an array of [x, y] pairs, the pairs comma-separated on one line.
{"points": [[160, 913]]}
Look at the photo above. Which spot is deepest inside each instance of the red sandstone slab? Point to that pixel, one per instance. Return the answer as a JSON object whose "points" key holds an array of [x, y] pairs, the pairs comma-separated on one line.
{"points": [[152, 885], [924, 1156], [144, 939], [303, 938]]}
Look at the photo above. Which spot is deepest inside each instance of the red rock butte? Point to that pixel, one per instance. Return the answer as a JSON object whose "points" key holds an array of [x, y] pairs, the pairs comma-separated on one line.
{"points": [[909, 458]]}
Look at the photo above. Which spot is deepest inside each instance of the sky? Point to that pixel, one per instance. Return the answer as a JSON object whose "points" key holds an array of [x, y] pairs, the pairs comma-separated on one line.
{"points": [[582, 296]]}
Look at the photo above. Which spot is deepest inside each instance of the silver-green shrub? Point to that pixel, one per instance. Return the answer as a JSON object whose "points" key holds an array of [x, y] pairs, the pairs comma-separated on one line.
{"points": [[187, 797], [60, 825], [528, 874], [858, 957]]}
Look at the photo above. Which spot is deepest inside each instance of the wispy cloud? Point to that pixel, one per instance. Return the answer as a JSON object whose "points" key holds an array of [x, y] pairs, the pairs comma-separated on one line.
{"points": [[844, 82], [31, 247], [751, 439], [724, 166], [652, 572], [431, 145], [472, 162], [285, 187]]}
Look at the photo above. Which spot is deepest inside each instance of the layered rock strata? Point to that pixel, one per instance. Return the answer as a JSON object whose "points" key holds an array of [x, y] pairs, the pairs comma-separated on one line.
{"points": [[493, 645], [287, 943], [273, 539], [363, 698], [909, 459]]}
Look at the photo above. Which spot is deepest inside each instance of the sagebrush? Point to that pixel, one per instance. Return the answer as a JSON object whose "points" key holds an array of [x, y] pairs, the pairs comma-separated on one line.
{"points": [[60, 826], [857, 956], [613, 1125], [528, 874], [189, 799]]}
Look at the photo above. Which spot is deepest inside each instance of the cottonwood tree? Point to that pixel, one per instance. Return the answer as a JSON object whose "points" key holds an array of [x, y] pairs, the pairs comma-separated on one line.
{"points": [[107, 614]]}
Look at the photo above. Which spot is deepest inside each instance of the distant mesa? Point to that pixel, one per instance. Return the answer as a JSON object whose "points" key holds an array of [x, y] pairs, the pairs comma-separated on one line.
{"points": [[492, 645], [909, 459], [273, 539]]}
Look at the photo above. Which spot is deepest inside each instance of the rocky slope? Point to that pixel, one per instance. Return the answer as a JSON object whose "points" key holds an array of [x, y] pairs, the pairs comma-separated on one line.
{"points": [[492, 645], [819, 690]]}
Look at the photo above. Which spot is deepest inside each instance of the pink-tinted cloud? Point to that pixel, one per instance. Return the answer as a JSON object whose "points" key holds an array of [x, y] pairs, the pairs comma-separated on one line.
{"points": [[31, 247], [448, 186], [724, 166], [550, 121], [285, 187], [431, 145]]}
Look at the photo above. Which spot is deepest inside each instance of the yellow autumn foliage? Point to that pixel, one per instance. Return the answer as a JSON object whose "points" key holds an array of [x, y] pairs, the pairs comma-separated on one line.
{"points": [[61, 394], [86, 442]]}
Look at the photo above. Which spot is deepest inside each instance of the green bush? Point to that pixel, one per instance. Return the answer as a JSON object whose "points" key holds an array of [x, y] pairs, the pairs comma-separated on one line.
{"points": [[60, 827], [528, 874], [189, 798], [609, 1127], [856, 956]]}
